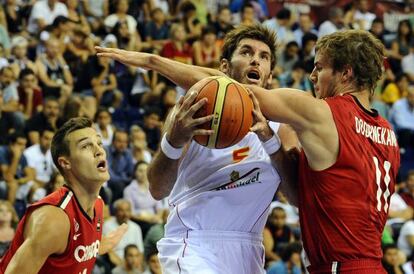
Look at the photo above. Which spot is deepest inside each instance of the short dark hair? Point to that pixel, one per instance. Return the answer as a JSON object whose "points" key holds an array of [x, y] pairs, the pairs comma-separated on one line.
{"points": [[128, 247], [24, 72], [255, 32], [60, 145], [12, 137], [46, 128]]}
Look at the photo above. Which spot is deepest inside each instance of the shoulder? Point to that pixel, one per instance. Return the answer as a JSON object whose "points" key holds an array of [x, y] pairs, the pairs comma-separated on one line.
{"points": [[48, 224]]}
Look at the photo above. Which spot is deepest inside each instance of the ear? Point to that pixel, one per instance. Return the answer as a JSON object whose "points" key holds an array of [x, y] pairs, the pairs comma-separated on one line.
{"points": [[269, 80], [347, 73], [64, 163], [224, 65]]}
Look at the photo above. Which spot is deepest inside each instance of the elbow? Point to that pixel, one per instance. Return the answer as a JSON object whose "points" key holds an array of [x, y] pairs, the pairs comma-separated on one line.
{"points": [[154, 188]]}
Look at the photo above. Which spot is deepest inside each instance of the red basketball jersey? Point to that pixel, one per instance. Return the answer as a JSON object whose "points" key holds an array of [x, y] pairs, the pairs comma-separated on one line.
{"points": [[343, 209], [84, 238]]}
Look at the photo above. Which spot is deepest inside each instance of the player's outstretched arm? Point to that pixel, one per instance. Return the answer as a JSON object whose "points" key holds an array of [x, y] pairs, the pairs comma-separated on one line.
{"points": [[280, 156], [311, 119], [46, 232], [181, 74], [179, 129]]}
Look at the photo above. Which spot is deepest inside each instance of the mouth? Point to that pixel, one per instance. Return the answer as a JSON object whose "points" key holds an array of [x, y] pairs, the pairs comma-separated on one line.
{"points": [[101, 166], [253, 76]]}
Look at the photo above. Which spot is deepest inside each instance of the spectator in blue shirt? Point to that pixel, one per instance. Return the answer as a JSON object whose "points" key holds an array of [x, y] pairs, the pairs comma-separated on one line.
{"points": [[402, 117], [120, 162], [290, 262]]}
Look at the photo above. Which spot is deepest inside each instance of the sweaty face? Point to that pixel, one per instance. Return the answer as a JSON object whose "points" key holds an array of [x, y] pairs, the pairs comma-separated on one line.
{"points": [[250, 63], [87, 156], [323, 77]]}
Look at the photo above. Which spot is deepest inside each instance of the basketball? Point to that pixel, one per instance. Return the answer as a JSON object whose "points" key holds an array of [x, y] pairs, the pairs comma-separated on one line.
{"points": [[232, 107]]}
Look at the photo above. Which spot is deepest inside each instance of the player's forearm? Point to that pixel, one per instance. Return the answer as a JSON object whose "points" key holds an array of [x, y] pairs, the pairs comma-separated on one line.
{"points": [[162, 174], [181, 74], [25, 261]]}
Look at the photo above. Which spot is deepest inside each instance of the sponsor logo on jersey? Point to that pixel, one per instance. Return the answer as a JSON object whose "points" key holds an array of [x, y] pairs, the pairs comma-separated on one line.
{"points": [[380, 135], [251, 177], [85, 253], [240, 154]]}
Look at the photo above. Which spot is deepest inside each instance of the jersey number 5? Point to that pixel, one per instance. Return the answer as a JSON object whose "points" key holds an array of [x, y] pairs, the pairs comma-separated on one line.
{"points": [[387, 180]]}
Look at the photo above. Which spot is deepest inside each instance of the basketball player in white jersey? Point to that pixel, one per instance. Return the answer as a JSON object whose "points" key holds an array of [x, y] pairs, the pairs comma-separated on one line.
{"points": [[219, 198]]}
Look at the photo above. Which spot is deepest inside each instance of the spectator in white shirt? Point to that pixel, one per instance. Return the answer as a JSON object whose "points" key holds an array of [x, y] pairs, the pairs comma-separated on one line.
{"points": [[132, 236], [43, 13], [334, 22]]}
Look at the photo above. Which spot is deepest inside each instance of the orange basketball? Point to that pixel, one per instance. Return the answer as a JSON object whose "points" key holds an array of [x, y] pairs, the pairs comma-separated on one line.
{"points": [[232, 108]]}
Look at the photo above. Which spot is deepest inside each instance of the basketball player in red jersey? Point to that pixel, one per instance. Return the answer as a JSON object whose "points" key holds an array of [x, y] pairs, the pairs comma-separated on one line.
{"points": [[62, 232], [350, 157]]}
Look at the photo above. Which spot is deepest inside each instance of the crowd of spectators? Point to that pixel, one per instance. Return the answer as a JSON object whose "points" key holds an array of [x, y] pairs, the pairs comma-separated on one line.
{"points": [[49, 73]]}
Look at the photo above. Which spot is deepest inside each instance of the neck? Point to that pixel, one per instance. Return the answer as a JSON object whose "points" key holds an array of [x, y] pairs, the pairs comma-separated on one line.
{"points": [[362, 96], [86, 196], [4, 224]]}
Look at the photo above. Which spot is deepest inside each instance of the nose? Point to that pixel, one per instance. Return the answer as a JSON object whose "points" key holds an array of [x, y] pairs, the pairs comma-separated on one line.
{"points": [[254, 61], [99, 151], [313, 76]]}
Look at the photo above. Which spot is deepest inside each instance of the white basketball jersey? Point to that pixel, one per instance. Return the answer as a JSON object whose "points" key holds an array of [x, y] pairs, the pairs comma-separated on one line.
{"points": [[223, 189]]}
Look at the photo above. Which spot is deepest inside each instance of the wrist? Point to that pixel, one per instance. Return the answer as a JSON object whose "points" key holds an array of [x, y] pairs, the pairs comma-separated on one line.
{"points": [[170, 151], [272, 145]]}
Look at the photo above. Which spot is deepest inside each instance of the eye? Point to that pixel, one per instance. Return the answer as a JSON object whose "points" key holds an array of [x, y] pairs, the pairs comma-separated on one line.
{"points": [[266, 57], [245, 52]]}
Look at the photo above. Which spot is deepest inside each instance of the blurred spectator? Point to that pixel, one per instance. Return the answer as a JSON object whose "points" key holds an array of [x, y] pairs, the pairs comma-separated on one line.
{"points": [[54, 74], [61, 30], [400, 46], [408, 267], [152, 126], [363, 14], [406, 238], [281, 24], [168, 100], [379, 31], [297, 78], [15, 17], [56, 181], [104, 84], [290, 262], [30, 95], [206, 49], [43, 13], [139, 146], [4, 62], [391, 260], [96, 11], [154, 266], [177, 48], [120, 163], [145, 209], [334, 22], [120, 15], [133, 263], [19, 59], [6, 125], [223, 23], [402, 117], [124, 39], [192, 25], [81, 24], [154, 234], [8, 224], [247, 15], [305, 26], [157, 30], [39, 158], [307, 53], [408, 194], [292, 214], [407, 63], [394, 91], [16, 172], [103, 125], [49, 117], [276, 234], [132, 236], [5, 41], [398, 212], [288, 57], [10, 107]]}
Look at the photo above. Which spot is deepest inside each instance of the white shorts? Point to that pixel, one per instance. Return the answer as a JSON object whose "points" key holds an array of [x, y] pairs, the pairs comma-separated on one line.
{"points": [[212, 252]]}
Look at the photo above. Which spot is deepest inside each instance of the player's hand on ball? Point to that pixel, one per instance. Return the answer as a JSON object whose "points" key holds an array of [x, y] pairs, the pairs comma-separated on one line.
{"points": [[260, 123], [183, 125]]}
